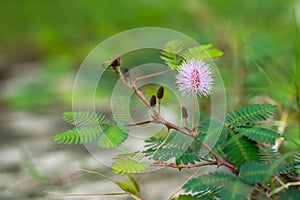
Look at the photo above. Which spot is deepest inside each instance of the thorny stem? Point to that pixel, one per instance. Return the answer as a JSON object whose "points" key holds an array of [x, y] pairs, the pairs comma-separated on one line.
{"points": [[181, 166], [157, 118]]}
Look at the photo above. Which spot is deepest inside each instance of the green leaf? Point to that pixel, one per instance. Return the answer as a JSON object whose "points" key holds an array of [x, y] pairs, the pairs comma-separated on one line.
{"points": [[181, 156], [268, 155], [235, 190], [86, 119], [134, 182], [258, 134], [171, 54], [209, 194], [214, 132], [78, 136], [249, 114], [289, 169], [211, 180], [290, 194], [274, 167], [128, 166], [254, 172], [113, 136], [297, 160], [239, 150], [177, 145], [185, 197], [202, 52], [128, 187]]}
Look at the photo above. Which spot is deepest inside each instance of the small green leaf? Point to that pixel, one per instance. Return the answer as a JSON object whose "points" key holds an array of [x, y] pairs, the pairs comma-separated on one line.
{"points": [[185, 197], [268, 155], [235, 190], [238, 150], [78, 136], [128, 166], [250, 114], [254, 172], [134, 182], [113, 136], [171, 54], [202, 52], [128, 187], [211, 180], [290, 194], [85, 118], [258, 134]]}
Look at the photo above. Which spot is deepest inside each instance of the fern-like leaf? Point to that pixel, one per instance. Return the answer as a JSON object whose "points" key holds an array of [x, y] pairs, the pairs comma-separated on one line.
{"points": [[185, 197], [290, 194], [258, 134], [204, 182], [239, 150], [202, 52], [235, 190], [289, 169], [297, 160], [209, 194], [113, 136], [254, 172], [268, 155], [128, 166], [250, 114], [171, 54], [86, 119], [78, 136]]}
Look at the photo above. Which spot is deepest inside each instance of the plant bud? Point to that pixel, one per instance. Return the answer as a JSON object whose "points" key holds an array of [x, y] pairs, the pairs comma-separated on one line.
{"points": [[160, 93], [153, 101], [184, 113], [126, 73], [116, 62]]}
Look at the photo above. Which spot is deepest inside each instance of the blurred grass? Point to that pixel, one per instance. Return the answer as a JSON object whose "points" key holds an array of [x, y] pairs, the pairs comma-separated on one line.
{"points": [[42, 44]]}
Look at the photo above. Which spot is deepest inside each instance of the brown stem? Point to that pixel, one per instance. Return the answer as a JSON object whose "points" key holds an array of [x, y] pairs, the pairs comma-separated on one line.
{"points": [[181, 166], [152, 75], [157, 118], [140, 123], [83, 195]]}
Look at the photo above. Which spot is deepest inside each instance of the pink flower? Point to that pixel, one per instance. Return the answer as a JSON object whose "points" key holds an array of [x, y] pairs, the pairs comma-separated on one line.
{"points": [[195, 76]]}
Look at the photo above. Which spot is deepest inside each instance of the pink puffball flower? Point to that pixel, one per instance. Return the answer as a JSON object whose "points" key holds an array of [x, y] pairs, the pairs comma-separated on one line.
{"points": [[195, 77]]}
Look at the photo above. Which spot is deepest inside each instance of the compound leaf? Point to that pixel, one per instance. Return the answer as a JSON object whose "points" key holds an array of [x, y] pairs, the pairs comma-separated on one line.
{"points": [[113, 136]]}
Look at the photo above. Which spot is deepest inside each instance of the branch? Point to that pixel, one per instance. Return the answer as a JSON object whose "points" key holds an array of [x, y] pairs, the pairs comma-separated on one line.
{"points": [[152, 75], [83, 195], [157, 118], [181, 166], [277, 190]]}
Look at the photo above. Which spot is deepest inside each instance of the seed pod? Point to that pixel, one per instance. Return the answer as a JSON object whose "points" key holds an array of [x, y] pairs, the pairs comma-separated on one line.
{"points": [[126, 73], [153, 101], [160, 93], [184, 113]]}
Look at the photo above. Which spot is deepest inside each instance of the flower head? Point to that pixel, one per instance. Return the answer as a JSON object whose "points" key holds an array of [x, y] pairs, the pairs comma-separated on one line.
{"points": [[195, 76]]}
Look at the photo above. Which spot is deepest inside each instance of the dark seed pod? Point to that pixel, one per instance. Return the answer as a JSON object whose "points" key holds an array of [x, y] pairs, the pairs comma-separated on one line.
{"points": [[116, 62], [153, 101], [184, 113], [160, 92], [126, 73]]}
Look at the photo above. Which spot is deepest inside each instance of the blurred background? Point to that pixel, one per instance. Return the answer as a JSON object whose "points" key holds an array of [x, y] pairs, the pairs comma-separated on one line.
{"points": [[42, 44]]}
